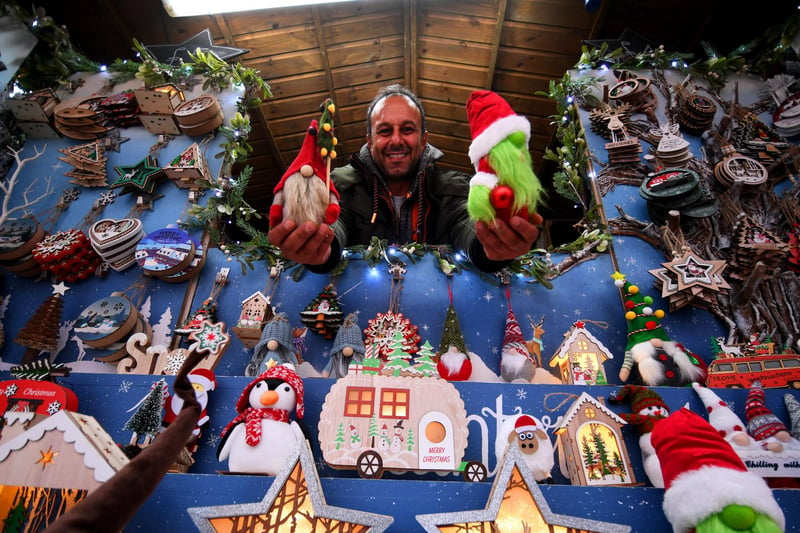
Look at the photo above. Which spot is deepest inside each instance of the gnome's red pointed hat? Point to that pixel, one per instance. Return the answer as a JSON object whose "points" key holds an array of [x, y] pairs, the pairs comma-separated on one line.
{"points": [[491, 120], [703, 474], [308, 162], [284, 372]]}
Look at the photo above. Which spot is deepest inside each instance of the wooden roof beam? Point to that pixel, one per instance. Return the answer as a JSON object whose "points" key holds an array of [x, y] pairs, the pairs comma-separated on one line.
{"points": [[410, 43], [502, 5]]}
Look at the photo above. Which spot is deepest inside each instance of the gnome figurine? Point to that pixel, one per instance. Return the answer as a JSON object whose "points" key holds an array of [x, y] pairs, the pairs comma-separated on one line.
{"points": [[454, 363], [651, 357], [762, 424], [708, 488], [516, 362], [306, 192], [647, 407], [275, 345], [348, 347], [261, 436], [504, 184], [723, 419]]}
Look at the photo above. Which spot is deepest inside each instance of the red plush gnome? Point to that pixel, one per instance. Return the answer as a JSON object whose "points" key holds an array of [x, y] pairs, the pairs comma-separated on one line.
{"points": [[708, 488], [305, 192], [504, 184]]}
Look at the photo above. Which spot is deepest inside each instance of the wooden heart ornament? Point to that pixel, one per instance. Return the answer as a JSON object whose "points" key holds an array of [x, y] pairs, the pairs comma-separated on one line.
{"points": [[115, 240]]}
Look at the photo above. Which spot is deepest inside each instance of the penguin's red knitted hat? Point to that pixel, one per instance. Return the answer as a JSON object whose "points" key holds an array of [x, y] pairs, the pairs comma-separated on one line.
{"points": [[284, 372]]}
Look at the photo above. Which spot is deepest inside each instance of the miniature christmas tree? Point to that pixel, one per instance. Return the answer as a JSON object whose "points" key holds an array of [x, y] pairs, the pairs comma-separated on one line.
{"points": [[40, 333], [424, 362], [397, 360], [146, 421], [324, 314], [40, 370]]}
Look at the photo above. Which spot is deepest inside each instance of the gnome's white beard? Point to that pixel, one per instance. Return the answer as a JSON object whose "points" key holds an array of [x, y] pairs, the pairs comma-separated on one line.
{"points": [[305, 198], [453, 360], [651, 370]]}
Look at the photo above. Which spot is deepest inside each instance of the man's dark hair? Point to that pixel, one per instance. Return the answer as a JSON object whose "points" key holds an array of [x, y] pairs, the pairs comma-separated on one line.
{"points": [[394, 90]]}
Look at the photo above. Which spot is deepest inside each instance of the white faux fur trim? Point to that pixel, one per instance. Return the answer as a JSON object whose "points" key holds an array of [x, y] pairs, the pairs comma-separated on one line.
{"points": [[499, 130], [484, 178], [696, 494]]}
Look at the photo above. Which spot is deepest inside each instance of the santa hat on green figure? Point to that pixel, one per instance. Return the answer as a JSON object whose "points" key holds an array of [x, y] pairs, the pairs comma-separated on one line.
{"points": [[501, 186], [307, 165], [454, 363], [706, 480], [658, 360], [722, 418]]}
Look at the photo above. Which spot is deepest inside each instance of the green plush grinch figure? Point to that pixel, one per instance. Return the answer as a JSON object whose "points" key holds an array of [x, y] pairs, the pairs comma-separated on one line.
{"points": [[504, 184]]}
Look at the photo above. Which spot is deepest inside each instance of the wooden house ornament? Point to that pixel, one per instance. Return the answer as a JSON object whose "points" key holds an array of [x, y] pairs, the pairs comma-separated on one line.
{"points": [[187, 168], [34, 112], [256, 311], [591, 447], [580, 358], [67, 450], [161, 99]]}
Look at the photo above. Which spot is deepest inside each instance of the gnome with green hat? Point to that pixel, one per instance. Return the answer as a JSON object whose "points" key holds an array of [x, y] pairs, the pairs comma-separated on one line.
{"points": [[651, 357]]}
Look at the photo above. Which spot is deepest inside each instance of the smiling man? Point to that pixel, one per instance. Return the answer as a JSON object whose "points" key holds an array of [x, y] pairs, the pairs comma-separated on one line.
{"points": [[393, 189]]}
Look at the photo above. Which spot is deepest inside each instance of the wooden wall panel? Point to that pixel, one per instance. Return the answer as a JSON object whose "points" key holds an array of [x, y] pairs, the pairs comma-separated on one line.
{"points": [[359, 52], [452, 50]]}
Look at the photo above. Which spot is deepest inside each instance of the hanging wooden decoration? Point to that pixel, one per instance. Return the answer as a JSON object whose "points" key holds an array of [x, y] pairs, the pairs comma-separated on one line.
{"points": [[40, 333], [453, 362], [695, 111], [623, 148], [115, 241], [199, 116], [323, 315], [752, 243], [188, 167], [208, 309], [381, 329], [591, 446], [81, 118], [581, 357], [690, 280], [89, 163], [18, 238]]}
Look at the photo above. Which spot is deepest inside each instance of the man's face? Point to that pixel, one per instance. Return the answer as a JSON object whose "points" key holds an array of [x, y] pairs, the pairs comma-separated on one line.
{"points": [[397, 140]]}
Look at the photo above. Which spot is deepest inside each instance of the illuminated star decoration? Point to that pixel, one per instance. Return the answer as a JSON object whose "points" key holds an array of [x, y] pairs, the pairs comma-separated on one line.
{"points": [[140, 177], [295, 494], [47, 458], [688, 279], [60, 289], [516, 503], [176, 54], [210, 337]]}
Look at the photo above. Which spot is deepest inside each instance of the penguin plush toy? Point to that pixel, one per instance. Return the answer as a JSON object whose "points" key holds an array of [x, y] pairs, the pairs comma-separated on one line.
{"points": [[261, 436]]}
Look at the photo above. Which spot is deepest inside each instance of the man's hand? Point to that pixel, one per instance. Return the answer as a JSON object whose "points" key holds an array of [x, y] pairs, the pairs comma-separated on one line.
{"points": [[503, 242], [309, 243]]}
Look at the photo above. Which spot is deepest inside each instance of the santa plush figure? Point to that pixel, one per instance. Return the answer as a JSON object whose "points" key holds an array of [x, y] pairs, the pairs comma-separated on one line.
{"points": [[203, 381], [651, 357], [305, 192], [504, 184], [708, 488]]}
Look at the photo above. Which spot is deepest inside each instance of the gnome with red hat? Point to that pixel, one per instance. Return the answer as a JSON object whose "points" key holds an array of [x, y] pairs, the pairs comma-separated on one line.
{"points": [[504, 184], [306, 192], [647, 407], [762, 424], [708, 488]]}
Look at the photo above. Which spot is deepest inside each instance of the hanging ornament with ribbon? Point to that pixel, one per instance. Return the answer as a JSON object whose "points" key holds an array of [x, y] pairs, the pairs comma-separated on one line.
{"points": [[454, 362]]}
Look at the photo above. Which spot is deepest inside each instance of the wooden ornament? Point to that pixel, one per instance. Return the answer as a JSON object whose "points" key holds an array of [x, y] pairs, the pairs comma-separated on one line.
{"points": [[199, 116], [374, 421], [591, 446], [19, 237], [67, 450], [163, 99], [106, 321], [37, 106], [35, 397], [165, 252], [581, 357], [188, 167], [256, 311], [115, 241]]}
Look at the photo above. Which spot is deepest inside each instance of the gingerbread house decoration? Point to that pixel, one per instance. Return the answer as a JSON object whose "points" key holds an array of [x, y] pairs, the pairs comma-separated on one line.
{"points": [[187, 168], [591, 447], [581, 357], [67, 450], [256, 311]]}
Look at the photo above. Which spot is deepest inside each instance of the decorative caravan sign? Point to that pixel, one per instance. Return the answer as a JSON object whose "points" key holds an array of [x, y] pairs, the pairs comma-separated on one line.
{"points": [[400, 417]]}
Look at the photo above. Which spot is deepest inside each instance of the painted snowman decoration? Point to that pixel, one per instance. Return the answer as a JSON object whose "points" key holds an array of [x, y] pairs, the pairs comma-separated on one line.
{"points": [[261, 436]]}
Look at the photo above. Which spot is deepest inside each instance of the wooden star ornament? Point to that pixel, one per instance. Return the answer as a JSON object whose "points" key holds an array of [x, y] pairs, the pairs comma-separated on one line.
{"points": [[515, 504], [295, 497], [690, 279], [141, 177]]}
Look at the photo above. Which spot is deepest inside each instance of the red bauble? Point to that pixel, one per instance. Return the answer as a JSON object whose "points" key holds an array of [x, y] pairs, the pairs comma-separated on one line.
{"points": [[501, 197]]}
